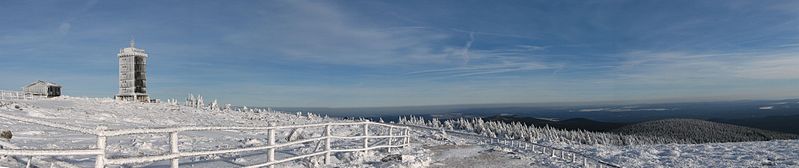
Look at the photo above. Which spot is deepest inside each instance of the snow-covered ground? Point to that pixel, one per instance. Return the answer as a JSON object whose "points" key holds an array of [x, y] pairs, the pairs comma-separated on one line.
{"points": [[89, 113], [781, 153], [429, 147]]}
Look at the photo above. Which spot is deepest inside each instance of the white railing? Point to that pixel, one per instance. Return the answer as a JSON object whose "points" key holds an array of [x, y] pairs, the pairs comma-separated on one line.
{"points": [[16, 95], [554, 152], [175, 154]]}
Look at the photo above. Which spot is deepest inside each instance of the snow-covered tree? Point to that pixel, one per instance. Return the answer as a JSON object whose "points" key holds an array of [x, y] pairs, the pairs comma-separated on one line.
{"points": [[532, 133]]}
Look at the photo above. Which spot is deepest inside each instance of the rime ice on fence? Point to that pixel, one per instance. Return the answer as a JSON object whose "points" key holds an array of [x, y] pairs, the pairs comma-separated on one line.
{"points": [[102, 134], [17, 95], [478, 126]]}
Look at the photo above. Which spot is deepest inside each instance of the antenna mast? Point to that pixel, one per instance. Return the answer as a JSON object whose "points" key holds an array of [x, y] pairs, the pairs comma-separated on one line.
{"points": [[132, 42]]}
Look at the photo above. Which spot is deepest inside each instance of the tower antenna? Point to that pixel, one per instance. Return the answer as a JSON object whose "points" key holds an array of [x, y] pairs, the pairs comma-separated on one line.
{"points": [[132, 42]]}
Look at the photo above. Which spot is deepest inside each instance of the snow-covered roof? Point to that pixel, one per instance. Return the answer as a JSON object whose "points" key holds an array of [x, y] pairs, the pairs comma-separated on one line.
{"points": [[132, 50], [43, 82]]}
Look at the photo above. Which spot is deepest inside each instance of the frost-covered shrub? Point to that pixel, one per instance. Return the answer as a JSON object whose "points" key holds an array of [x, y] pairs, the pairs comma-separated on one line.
{"points": [[441, 135]]}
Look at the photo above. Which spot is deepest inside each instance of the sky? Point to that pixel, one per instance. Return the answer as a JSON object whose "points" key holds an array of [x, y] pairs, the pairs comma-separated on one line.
{"points": [[367, 53]]}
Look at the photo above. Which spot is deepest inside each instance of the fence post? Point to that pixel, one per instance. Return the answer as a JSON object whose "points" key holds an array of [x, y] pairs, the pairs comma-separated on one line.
{"points": [[328, 134], [574, 158], [572, 155], [365, 138], [271, 152], [173, 142], [407, 136], [101, 143], [390, 133], [585, 162]]}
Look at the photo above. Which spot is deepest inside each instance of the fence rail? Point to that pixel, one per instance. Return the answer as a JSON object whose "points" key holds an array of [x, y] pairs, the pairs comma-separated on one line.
{"points": [[564, 154], [17, 95], [175, 154]]}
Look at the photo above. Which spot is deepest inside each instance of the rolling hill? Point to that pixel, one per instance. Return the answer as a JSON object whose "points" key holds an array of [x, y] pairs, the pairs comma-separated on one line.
{"points": [[701, 131], [775, 123]]}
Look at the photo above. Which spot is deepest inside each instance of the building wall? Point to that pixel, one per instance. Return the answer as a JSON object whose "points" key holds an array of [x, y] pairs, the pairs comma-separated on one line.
{"points": [[132, 74], [126, 76], [36, 89], [41, 89], [139, 74]]}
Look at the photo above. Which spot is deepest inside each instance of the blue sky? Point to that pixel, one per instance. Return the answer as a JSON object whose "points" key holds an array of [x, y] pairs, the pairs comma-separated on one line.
{"points": [[395, 53]]}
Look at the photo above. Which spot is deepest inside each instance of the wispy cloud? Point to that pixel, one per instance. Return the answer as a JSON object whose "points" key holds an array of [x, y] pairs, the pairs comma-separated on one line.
{"points": [[509, 35], [485, 69], [778, 66], [709, 67], [466, 48], [789, 45], [66, 25], [491, 62], [64, 28], [320, 32]]}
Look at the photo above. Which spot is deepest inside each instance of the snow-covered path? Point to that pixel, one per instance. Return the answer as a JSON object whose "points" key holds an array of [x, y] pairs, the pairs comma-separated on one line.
{"points": [[463, 150], [458, 156], [533, 154]]}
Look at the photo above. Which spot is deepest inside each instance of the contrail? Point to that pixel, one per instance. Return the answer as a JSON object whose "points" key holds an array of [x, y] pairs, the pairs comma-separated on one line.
{"points": [[466, 48]]}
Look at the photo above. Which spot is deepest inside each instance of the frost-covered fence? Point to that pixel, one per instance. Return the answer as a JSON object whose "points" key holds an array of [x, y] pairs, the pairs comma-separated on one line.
{"points": [[16, 95], [402, 136], [563, 154], [269, 148]]}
